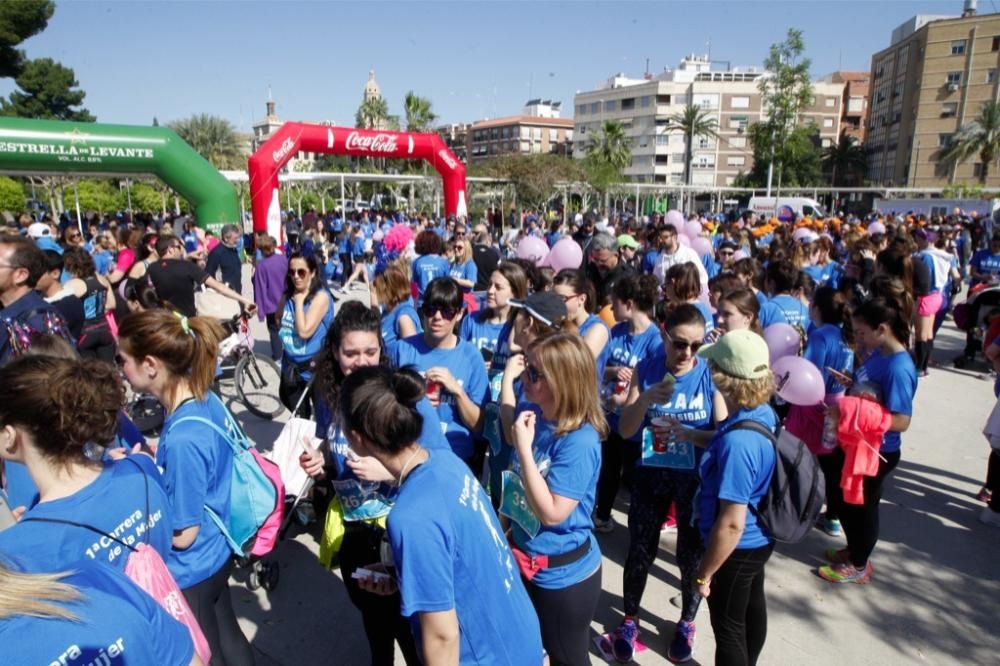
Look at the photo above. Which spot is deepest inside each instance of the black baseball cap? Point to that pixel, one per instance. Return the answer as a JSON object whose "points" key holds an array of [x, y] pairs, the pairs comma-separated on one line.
{"points": [[545, 306]]}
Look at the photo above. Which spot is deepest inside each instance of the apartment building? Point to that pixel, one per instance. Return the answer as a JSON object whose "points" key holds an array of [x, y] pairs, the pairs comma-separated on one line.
{"points": [[456, 137], [538, 130], [931, 80], [731, 96], [854, 104]]}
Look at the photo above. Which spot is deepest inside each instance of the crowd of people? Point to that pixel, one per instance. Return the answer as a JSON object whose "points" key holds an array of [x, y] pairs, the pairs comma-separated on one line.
{"points": [[479, 415]]}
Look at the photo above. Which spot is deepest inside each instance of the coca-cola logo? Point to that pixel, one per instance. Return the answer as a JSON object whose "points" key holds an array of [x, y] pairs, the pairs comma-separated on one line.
{"points": [[443, 154], [282, 152], [379, 143]]}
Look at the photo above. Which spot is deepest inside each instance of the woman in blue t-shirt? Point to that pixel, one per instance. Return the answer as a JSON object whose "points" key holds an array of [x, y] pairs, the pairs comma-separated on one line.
{"points": [[889, 372], [173, 357], [391, 293], [429, 264], [735, 474], [463, 268], [633, 339], [676, 387], [580, 297], [454, 571], [57, 416], [681, 284], [458, 386], [782, 281], [306, 314], [90, 615], [550, 491]]}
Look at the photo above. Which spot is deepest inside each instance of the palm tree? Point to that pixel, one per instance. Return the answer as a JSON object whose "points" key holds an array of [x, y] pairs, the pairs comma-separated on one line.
{"points": [[693, 121], [979, 138], [374, 114], [419, 117], [846, 157], [214, 138], [610, 146]]}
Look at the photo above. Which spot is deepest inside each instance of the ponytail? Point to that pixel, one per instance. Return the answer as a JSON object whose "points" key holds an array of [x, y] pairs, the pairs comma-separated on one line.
{"points": [[882, 310]]}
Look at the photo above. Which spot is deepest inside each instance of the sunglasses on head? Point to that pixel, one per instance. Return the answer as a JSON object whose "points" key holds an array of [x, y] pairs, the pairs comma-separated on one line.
{"points": [[446, 312], [681, 345], [299, 272], [532, 373]]}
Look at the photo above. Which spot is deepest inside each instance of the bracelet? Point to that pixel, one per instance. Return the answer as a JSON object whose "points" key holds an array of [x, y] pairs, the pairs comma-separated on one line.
{"points": [[703, 581]]}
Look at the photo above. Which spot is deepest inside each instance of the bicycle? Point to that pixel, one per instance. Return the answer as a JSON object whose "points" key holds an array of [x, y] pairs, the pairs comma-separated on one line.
{"points": [[256, 376]]}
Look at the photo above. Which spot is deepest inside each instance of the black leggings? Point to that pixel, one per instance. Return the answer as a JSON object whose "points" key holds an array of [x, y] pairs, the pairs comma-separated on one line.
{"points": [[832, 468], [618, 458], [379, 615], [565, 616], [738, 607], [861, 522], [213, 607], [653, 491], [993, 479]]}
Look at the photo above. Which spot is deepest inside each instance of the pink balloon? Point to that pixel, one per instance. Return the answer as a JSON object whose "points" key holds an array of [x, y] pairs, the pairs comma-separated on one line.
{"points": [[782, 340], [702, 246], [675, 218], [740, 254], [692, 229], [799, 381], [683, 240], [876, 228], [800, 233], [532, 248], [566, 253]]}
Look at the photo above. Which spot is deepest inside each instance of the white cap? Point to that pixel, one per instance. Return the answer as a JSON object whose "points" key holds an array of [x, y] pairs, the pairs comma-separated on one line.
{"points": [[39, 230]]}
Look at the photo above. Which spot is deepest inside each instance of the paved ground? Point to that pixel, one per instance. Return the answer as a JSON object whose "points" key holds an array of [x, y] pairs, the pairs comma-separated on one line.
{"points": [[934, 597]]}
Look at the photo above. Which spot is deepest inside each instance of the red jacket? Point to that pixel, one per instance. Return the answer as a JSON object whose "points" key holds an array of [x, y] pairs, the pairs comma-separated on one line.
{"points": [[860, 429]]}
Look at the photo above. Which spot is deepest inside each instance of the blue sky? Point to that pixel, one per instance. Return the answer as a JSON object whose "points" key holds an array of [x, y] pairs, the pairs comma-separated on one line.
{"points": [[473, 59]]}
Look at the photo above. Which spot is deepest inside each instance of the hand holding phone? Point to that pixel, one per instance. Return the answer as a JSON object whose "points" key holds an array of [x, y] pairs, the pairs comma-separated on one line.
{"points": [[840, 377]]}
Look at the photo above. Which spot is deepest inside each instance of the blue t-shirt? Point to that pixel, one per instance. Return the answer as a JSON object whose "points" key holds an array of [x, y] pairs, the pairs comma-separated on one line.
{"points": [[627, 350], [602, 359], [795, 311], [114, 503], [102, 261], [390, 324], [427, 268], [117, 624], [570, 465], [466, 271], [770, 314], [297, 349], [450, 554], [896, 375], [197, 468], [692, 403], [985, 262], [737, 467], [650, 260], [707, 313], [826, 349], [466, 365]]}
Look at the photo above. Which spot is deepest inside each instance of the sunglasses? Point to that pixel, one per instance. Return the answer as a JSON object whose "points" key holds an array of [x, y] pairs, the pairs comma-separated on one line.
{"points": [[532, 373], [681, 345], [299, 272], [566, 299], [446, 312]]}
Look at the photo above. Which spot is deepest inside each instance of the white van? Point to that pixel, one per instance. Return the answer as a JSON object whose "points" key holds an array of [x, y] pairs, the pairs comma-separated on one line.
{"points": [[786, 209]]}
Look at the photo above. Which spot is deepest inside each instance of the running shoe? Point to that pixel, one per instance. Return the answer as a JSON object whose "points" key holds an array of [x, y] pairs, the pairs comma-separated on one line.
{"points": [[837, 555], [845, 572], [989, 517], [623, 641], [985, 494], [603, 526], [670, 525], [829, 526], [682, 646]]}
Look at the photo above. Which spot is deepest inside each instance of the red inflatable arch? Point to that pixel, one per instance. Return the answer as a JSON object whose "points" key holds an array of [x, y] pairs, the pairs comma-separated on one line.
{"points": [[264, 164]]}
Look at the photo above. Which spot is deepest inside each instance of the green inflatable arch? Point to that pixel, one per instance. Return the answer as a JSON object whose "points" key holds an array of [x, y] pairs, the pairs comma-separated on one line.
{"points": [[54, 147]]}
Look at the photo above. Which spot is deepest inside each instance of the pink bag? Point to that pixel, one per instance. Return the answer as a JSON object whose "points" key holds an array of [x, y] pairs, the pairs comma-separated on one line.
{"points": [[147, 569], [267, 535]]}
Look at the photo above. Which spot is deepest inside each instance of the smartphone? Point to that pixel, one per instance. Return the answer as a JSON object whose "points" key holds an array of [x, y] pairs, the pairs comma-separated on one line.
{"points": [[839, 376], [361, 573], [6, 515]]}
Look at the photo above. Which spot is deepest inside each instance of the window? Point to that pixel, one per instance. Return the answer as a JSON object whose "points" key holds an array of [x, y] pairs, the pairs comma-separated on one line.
{"points": [[831, 102], [855, 105], [705, 143], [738, 122], [505, 133], [996, 44], [954, 78], [553, 135], [665, 99], [827, 143], [662, 139], [583, 129], [828, 122], [958, 47], [643, 141], [610, 106], [628, 104], [736, 160], [944, 140], [581, 109], [595, 108], [740, 102], [678, 158], [525, 133], [536, 133], [738, 142], [644, 101], [678, 99], [949, 109], [991, 75], [977, 170]]}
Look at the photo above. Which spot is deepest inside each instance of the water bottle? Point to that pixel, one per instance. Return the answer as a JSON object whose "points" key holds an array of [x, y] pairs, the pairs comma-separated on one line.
{"points": [[829, 441]]}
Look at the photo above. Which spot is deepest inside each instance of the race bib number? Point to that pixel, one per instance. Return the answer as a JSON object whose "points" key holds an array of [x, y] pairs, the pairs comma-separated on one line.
{"points": [[491, 428], [514, 504], [660, 451], [361, 500]]}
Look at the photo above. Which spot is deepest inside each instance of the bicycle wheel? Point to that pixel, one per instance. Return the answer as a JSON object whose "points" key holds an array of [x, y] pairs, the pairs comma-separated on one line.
{"points": [[257, 379]]}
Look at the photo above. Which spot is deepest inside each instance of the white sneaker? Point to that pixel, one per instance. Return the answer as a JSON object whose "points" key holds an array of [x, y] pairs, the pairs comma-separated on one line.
{"points": [[604, 526], [988, 517]]}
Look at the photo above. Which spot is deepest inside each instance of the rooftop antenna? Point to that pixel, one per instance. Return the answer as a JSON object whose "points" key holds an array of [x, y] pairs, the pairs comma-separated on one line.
{"points": [[647, 68]]}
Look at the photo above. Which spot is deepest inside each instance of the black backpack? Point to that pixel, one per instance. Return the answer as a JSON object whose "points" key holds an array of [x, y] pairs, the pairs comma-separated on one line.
{"points": [[795, 499]]}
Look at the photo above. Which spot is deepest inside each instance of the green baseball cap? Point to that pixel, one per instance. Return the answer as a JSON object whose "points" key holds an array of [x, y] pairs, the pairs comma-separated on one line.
{"points": [[742, 354], [627, 241]]}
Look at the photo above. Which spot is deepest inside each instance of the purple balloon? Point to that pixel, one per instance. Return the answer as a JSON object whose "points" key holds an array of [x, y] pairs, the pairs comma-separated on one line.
{"points": [[876, 228], [692, 229], [532, 248], [782, 340], [683, 240], [740, 254], [676, 218], [702, 246], [799, 381], [566, 253]]}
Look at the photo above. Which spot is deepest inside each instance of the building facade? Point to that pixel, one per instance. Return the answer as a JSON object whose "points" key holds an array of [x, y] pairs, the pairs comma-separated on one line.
{"points": [[731, 96], [455, 136], [932, 79], [525, 134], [266, 127], [854, 104]]}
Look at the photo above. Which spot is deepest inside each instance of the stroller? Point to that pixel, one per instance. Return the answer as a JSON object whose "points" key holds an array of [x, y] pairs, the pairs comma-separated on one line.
{"points": [[973, 316]]}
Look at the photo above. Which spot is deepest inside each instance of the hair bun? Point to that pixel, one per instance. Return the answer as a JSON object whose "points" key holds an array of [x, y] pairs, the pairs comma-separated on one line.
{"points": [[408, 386]]}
